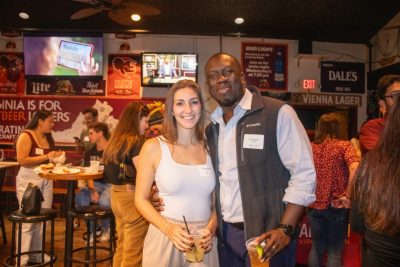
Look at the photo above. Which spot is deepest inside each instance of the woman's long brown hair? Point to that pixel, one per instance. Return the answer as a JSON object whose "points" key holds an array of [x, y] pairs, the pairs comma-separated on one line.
{"points": [[377, 188], [126, 134]]}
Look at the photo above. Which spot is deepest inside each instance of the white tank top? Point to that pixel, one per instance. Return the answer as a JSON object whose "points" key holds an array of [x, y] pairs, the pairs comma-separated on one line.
{"points": [[185, 189]]}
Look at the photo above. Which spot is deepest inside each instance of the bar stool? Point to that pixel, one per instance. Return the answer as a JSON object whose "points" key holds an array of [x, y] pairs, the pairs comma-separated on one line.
{"points": [[90, 214], [18, 217], [3, 227]]}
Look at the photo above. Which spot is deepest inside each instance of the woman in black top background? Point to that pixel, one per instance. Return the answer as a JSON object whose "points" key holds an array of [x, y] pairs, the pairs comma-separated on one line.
{"points": [[377, 196], [124, 146]]}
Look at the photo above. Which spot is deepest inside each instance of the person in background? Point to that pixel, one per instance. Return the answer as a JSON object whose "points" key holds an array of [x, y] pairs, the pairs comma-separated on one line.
{"points": [[377, 196], [371, 130], [83, 143], [98, 191], [263, 160], [35, 146], [355, 141], [167, 69], [90, 118], [43, 56], [179, 163], [124, 145], [336, 162]]}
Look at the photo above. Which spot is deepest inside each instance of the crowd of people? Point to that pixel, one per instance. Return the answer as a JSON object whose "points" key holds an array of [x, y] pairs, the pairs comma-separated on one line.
{"points": [[251, 172]]}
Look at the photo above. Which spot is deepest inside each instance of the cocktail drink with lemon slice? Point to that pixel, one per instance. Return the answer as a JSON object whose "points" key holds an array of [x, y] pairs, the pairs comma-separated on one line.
{"points": [[255, 251], [197, 253]]}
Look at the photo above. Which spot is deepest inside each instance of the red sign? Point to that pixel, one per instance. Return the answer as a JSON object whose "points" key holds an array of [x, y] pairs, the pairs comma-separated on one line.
{"points": [[15, 112], [12, 80], [351, 253], [265, 65], [124, 73], [308, 84]]}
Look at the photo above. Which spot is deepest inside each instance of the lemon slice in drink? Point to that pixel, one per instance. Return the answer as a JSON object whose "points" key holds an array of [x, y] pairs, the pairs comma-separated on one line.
{"points": [[259, 250]]}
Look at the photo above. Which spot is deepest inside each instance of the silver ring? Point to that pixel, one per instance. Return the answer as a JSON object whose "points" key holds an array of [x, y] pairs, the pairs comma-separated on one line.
{"points": [[273, 247]]}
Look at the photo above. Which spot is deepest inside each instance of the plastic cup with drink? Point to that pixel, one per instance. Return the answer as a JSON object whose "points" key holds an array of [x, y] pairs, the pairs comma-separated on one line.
{"points": [[255, 252], [94, 164], [196, 254]]}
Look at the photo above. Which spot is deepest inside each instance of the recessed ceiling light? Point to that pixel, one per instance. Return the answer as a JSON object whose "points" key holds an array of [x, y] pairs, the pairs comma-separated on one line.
{"points": [[138, 30], [23, 15], [135, 17], [239, 20]]}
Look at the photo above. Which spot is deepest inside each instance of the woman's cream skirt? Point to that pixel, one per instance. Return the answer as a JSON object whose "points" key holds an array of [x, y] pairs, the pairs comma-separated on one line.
{"points": [[159, 251]]}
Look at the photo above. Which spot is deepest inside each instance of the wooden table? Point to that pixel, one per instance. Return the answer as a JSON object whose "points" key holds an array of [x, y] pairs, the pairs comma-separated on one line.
{"points": [[70, 203], [8, 164]]}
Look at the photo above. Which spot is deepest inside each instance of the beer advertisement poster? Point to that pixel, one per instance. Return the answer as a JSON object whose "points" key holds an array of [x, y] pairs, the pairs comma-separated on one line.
{"points": [[12, 79], [65, 86], [123, 79], [265, 65], [15, 112], [342, 77]]}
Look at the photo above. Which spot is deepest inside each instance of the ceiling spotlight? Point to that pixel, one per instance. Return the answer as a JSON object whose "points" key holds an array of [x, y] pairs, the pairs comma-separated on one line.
{"points": [[135, 17], [239, 20], [139, 30], [23, 15]]}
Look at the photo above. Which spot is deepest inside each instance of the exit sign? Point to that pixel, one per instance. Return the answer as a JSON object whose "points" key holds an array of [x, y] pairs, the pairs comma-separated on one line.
{"points": [[308, 84]]}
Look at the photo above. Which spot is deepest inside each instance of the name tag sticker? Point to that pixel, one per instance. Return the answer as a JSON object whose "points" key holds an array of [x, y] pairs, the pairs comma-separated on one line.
{"points": [[253, 141], [205, 171], [86, 139], [39, 151]]}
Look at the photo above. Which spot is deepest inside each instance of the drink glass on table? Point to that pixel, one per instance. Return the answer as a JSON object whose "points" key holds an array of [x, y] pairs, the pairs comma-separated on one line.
{"points": [[1, 154], [253, 254], [197, 252], [94, 164]]}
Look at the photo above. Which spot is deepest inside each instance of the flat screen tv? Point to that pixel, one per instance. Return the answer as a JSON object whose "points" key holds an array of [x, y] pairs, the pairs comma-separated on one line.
{"points": [[164, 69], [49, 55]]}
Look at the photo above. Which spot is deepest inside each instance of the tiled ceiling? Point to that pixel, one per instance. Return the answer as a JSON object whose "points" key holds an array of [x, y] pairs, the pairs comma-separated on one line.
{"points": [[350, 21]]}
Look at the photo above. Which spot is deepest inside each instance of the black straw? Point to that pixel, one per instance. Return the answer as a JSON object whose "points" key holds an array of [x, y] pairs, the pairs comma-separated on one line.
{"points": [[187, 228]]}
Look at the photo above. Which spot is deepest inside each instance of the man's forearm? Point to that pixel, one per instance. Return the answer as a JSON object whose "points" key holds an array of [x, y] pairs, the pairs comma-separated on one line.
{"points": [[293, 214]]}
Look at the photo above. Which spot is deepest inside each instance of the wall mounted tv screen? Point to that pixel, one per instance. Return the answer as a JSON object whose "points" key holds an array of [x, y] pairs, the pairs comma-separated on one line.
{"points": [[164, 69], [63, 55]]}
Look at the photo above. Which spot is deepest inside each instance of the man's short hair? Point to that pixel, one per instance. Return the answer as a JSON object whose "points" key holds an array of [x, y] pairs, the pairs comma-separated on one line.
{"points": [[384, 82], [103, 127], [93, 111]]}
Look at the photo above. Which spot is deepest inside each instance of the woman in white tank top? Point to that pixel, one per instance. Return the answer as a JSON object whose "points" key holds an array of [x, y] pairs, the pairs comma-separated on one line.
{"points": [[180, 166]]}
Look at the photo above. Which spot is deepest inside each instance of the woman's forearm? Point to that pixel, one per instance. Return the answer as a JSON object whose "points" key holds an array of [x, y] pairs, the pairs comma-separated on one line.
{"points": [[145, 207], [352, 170], [26, 161]]}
